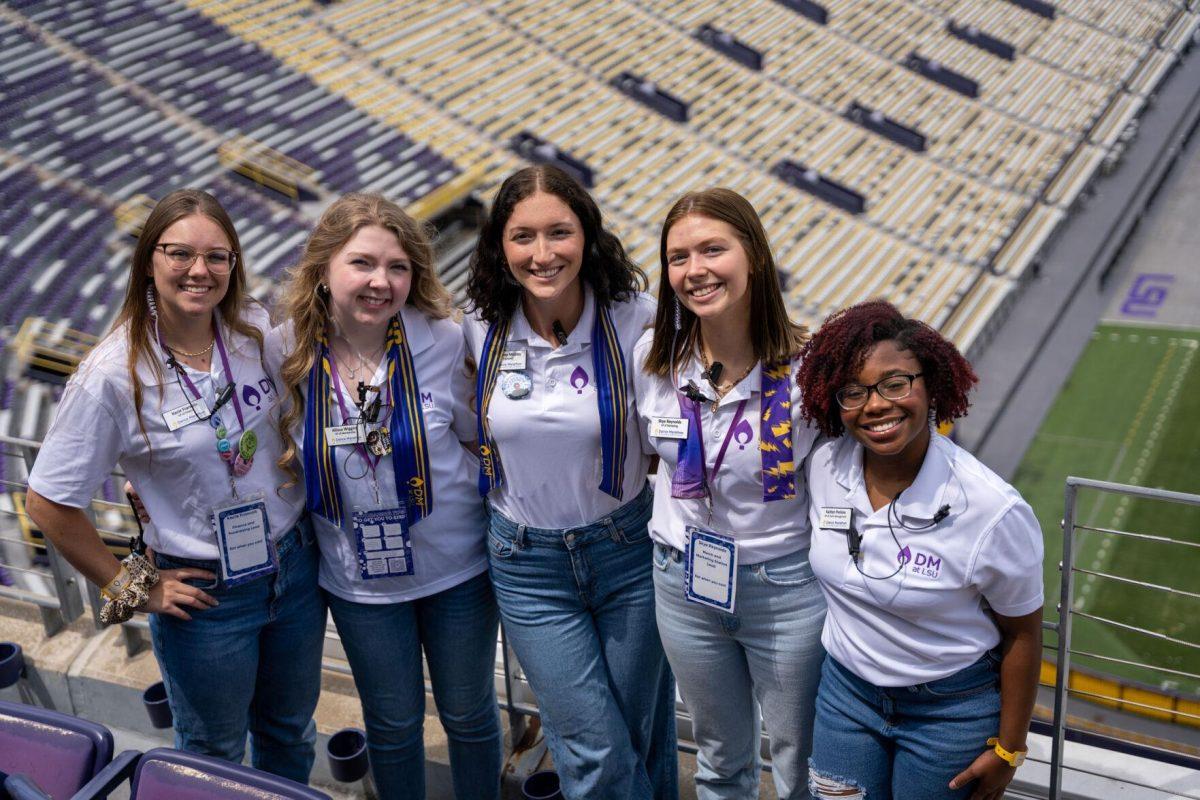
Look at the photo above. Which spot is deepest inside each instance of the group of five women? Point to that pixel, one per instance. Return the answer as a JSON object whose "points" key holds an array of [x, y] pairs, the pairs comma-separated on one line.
{"points": [[337, 461]]}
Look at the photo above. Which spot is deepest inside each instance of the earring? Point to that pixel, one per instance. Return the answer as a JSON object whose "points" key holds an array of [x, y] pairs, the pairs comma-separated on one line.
{"points": [[678, 315], [932, 417], [151, 302], [322, 289]]}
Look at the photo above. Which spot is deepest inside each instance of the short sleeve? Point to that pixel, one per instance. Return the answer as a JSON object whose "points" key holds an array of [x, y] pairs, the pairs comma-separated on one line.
{"points": [[1008, 569], [84, 443], [462, 389]]}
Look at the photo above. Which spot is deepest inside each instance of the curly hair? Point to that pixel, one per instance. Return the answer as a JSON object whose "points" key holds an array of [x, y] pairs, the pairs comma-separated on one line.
{"points": [[606, 268], [776, 337], [306, 307], [837, 351]]}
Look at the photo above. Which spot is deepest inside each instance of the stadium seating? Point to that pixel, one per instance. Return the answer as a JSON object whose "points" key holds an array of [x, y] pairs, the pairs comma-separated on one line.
{"points": [[59, 752]]}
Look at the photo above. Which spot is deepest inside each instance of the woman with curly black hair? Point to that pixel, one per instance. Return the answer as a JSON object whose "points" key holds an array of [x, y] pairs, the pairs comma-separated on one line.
{"points": [[557, 307], [930, 563]]}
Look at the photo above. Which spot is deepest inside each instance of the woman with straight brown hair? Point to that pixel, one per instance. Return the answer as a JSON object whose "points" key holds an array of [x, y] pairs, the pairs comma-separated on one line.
{"points": [[178, 395], [374, 369], [738, 609]]}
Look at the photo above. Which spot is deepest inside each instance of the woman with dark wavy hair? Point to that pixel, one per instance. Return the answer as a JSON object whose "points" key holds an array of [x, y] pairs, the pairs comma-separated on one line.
{"points": [[932, 567], [557, 306]]}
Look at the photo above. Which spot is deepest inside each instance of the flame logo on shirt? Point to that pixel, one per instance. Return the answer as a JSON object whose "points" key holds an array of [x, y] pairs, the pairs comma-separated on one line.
{"points": [[904, 556], [742, 434], [579, 379]]}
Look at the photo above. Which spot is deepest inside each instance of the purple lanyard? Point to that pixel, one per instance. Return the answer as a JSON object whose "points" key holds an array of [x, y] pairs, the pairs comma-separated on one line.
{"points": [[337, 386], [237, 407], [697, 416]]}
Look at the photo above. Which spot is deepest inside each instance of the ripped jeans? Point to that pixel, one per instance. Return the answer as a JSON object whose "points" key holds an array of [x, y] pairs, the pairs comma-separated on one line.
{"points": [[907, 742]]}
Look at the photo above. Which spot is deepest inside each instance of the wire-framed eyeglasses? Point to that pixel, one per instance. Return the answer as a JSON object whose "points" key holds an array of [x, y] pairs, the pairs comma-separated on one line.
{"points": [[181, 256], [893, 387]]}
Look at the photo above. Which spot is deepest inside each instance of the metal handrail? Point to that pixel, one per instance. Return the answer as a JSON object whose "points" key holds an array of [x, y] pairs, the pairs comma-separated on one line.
{"points": [[1066, 610]]}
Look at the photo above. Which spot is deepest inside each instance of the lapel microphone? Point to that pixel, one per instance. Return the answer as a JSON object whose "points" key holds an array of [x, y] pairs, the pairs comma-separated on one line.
{"points": [[560, 333], [713, 373], [692, 392]]}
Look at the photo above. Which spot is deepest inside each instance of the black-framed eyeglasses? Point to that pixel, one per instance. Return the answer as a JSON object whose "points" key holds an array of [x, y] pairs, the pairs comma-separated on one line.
{"points": [[893, 387], [181, 256]]}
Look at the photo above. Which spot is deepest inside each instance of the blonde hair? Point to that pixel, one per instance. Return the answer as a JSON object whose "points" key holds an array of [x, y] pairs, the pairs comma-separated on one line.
{"points": [[135, 310], [307, 308]]}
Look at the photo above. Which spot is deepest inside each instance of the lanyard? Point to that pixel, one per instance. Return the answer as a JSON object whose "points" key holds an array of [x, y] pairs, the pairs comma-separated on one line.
{"points": [[337, 388], [237, 407]]}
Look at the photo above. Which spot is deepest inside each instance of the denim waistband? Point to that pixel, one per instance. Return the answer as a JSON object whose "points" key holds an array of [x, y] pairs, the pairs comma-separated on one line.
{"points": [[632, 512], [989, 661], [300, 535]]}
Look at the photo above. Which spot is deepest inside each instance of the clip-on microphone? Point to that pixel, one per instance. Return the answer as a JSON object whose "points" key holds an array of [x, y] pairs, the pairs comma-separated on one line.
{"points": [[854, 542], [223, 397], [560, 333], [692, 392], [713, 373]]}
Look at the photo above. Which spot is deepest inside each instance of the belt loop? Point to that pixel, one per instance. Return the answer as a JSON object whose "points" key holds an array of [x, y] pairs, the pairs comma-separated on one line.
{"points": [[519, 537], [614, 532]]}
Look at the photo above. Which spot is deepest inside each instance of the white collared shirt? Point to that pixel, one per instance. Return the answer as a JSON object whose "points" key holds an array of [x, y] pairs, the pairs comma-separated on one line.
{"points": [[549, 441], [763, 530], [931, 618], [448, 546], [179, 477]]}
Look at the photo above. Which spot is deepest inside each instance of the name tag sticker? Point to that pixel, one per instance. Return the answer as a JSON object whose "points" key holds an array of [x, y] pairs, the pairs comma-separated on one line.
{"points": [[340, 435], [512, 360], [244, 540], [710, 569], [669, 427], [185, 414], [835, 519], [384, 546]]}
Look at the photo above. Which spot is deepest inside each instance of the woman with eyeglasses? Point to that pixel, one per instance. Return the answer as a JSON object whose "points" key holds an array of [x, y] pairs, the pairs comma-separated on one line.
{"points": [[177, 394], [738, 609], [374, 371], [931, 565]]}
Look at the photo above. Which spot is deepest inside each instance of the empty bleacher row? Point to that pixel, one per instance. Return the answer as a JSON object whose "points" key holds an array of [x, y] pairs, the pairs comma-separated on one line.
{"points": [[765, 123], [472, 66], [237, 88]]}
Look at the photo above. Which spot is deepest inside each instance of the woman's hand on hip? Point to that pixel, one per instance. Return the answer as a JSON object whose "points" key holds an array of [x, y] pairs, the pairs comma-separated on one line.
{"points": [[171, 595]]}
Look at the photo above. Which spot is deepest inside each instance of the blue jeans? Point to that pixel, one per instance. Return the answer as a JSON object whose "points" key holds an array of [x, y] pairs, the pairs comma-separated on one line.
{"points": [[905, 742], [457, 629], [251, 663], [578, 611], [766, 657]]}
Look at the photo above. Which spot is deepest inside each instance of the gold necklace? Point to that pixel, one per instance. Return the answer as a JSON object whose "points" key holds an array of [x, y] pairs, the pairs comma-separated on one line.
{"points": [[177, 351], [717, 387]]}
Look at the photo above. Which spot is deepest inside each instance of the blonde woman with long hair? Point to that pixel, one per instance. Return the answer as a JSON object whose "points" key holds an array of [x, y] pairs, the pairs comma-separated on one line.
{"points": [[374, 369], [177, 394]]}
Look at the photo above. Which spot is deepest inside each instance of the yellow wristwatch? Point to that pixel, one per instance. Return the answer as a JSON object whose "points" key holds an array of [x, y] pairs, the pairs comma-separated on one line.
{"points": [[1013, 759]]}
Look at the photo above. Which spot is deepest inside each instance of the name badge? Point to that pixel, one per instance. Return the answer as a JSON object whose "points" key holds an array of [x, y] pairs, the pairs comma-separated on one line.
{"points": [[340, 435], [710, 569], [384, 546], [244, 540], [835, 519], [185, 414], [669, 427], [512, 360]]}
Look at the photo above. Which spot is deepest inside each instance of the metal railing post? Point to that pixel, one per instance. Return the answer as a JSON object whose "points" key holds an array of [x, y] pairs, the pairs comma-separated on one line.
{"points": [[64, 576], [1062, 670]]}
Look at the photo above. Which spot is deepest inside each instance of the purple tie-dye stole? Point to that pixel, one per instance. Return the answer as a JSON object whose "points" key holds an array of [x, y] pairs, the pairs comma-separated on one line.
{"points": [[689, 481], [775, 441], [775, 434]]}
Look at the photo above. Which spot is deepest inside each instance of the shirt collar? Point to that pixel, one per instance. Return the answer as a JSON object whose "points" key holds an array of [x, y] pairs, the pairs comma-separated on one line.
{"points": [[921, 500], [746, 388], [416, 328], [521, 330]]}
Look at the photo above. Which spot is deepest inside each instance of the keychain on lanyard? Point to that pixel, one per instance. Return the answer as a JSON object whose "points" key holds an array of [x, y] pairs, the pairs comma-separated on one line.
{"points": [[238, 460], [378, 442]]}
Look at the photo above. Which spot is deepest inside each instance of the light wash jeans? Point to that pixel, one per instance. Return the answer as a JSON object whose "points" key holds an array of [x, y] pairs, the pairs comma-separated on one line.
{"points": [[457, 629], [252, 663], [904, 742], [766, 655], [578, 611]]}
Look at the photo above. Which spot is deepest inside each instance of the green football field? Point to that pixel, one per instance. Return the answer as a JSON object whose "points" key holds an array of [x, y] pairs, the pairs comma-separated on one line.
{"points": [[1129, 413]]}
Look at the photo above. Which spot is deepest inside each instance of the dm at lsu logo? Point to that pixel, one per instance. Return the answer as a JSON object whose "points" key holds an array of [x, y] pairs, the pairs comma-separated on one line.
{"points": [[924, 564]]}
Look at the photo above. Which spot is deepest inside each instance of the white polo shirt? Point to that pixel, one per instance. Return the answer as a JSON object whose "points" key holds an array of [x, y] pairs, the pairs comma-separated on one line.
{"points": [[448, 546], [179, 476], [931, 618], [763, 530], [549, 441]]}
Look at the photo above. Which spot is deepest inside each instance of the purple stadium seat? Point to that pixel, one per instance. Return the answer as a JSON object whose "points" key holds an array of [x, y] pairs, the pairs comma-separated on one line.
{"points": [[59, 752], [166, 774]]}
